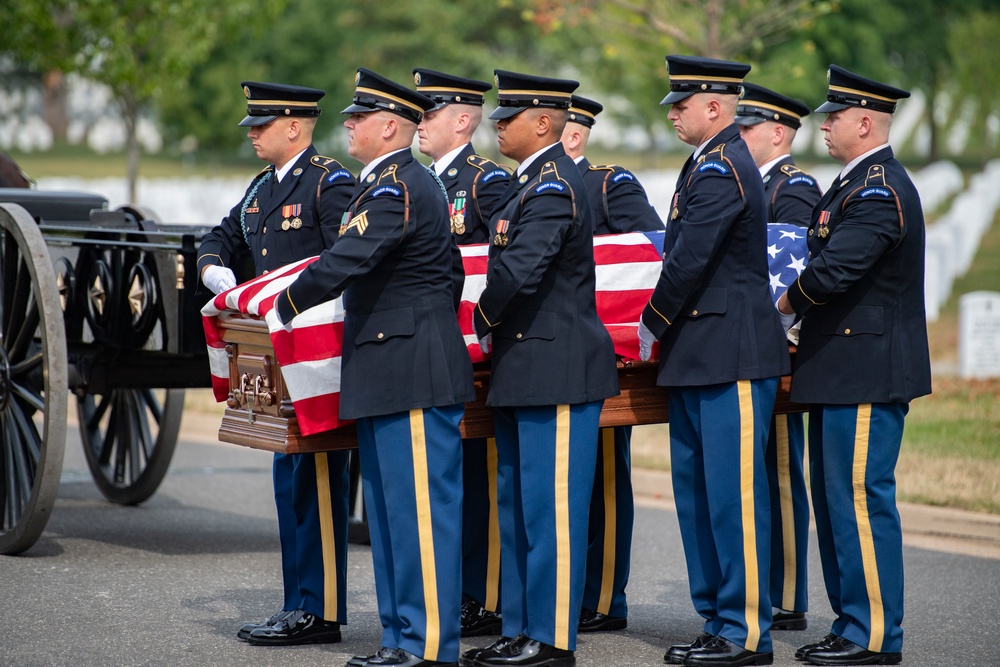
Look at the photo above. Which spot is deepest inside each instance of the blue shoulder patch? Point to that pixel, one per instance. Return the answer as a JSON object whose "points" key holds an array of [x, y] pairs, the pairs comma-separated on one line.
{"points": [[340, 173], [387, 190], [879, 192], [549, 185], [496, 172], [622, 174], [805, 180], [718, 166]]}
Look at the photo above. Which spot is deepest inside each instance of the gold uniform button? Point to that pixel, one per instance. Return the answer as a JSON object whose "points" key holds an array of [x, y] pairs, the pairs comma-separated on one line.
{"points": [[519, 336], [694, 312], [847, 332], [381, 335], [264, 252]]}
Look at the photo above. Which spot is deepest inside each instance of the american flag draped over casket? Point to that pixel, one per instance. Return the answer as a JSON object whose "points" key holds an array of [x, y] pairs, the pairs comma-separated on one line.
{"points": [[628, 266]]}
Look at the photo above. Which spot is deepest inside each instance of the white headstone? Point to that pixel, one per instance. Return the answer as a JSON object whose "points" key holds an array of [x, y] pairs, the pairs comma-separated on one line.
{"points": [[979, 335]]}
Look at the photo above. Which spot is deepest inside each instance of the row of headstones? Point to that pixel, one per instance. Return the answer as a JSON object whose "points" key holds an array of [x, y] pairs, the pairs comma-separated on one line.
{"points": [[953, 239]]}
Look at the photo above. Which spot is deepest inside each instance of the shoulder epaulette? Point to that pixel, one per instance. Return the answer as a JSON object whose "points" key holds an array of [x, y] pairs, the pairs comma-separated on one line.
{"points": [[603, 167], [876, 175], [263, 171], [485, 164], [790, 170], [327, 163], [549, 179], [388, 174]]}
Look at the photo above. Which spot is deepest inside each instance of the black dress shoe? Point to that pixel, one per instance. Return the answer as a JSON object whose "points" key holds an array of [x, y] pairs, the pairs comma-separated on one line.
{"points": [[595, 621], [478, 621], [720, 652], [394, 657], [675, 654], [298, 627], [800, 652], [250, 627], [789, 620], [524, 651], [845, 652], [468, 658]]}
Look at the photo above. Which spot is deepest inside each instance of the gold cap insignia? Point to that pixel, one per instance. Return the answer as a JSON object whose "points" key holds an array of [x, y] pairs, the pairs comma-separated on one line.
{"points": [[246, 91], [416, 79]]}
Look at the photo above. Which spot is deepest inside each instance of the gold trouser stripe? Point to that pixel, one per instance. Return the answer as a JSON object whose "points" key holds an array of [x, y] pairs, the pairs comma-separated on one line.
{"points": [[425, 533], [327, 540], [861, 435], [751, 575], [493, 549], [610, 520], [562, 527], [789, 555]]}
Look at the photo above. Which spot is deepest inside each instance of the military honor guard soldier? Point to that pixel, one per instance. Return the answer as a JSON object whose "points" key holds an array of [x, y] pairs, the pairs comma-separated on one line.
{"points": [[862, 357], [768, 122], [553, 365], [618, 204], [406, 374], [474, 184], [722, 350], [291, 211]]}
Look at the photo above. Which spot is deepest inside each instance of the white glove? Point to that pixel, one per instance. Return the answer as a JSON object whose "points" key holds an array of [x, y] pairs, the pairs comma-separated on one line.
{"points": [[485, 343], [218, 278], [646, 339], [786, 321]]}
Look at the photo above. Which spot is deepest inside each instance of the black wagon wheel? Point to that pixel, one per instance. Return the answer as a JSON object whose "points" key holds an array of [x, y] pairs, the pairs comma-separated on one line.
{"points": [[129, 434], [33, 381]]}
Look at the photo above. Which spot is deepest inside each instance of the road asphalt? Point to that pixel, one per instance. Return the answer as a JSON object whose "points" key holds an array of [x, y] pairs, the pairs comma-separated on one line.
{"points": [[168, 583]]}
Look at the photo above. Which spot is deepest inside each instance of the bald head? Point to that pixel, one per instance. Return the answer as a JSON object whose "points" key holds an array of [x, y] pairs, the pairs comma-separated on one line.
{"points": [[854, 131]]}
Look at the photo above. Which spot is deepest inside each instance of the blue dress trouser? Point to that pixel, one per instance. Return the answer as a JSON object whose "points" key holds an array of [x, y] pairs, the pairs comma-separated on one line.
{"points": [[853, 451], [718, 435], [789, 512], [612, 513], [411, 467], [311, 497], [480, 524], [545, 477]]}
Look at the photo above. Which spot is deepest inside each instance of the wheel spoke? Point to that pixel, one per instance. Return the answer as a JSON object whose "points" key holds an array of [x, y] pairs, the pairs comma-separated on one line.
{"points": [[7, 271], [25, 333], [33, 399], [17, 317], [123, 433], [27, 365], [147, 404]]}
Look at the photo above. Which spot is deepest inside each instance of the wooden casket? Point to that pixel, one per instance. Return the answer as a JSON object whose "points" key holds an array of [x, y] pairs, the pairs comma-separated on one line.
{"points": [[259, 413]]}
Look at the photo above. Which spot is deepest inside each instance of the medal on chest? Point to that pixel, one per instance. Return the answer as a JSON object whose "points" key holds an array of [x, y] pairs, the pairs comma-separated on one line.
{"points": [[500, 239], [457, 210], [822, 226]]}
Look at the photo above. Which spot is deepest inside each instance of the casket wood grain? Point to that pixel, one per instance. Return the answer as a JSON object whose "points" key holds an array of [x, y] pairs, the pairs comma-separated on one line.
{"points": [[259, 412]]}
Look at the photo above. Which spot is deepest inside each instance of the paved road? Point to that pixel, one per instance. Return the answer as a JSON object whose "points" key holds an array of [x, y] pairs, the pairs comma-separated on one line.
{"points": [[168, 583]]}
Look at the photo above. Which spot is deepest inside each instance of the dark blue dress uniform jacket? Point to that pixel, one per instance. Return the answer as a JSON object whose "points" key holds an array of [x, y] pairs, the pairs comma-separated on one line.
{"points": [[791, 194], [321, 184], [862, 293], [474, 184], [618, 203], [402, 345], [549, 346], [711, 308]]}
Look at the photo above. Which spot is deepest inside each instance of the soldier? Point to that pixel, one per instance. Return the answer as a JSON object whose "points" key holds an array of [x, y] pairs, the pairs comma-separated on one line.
{"points": [[291, 211], [722, 351], [768, 122], [618, 204], [553, 365], [474, 184], [406, 373], [862, 358]]}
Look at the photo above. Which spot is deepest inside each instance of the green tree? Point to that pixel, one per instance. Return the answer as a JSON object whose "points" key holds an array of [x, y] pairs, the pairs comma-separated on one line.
{"points": [[144, 50], [321, 43]]}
